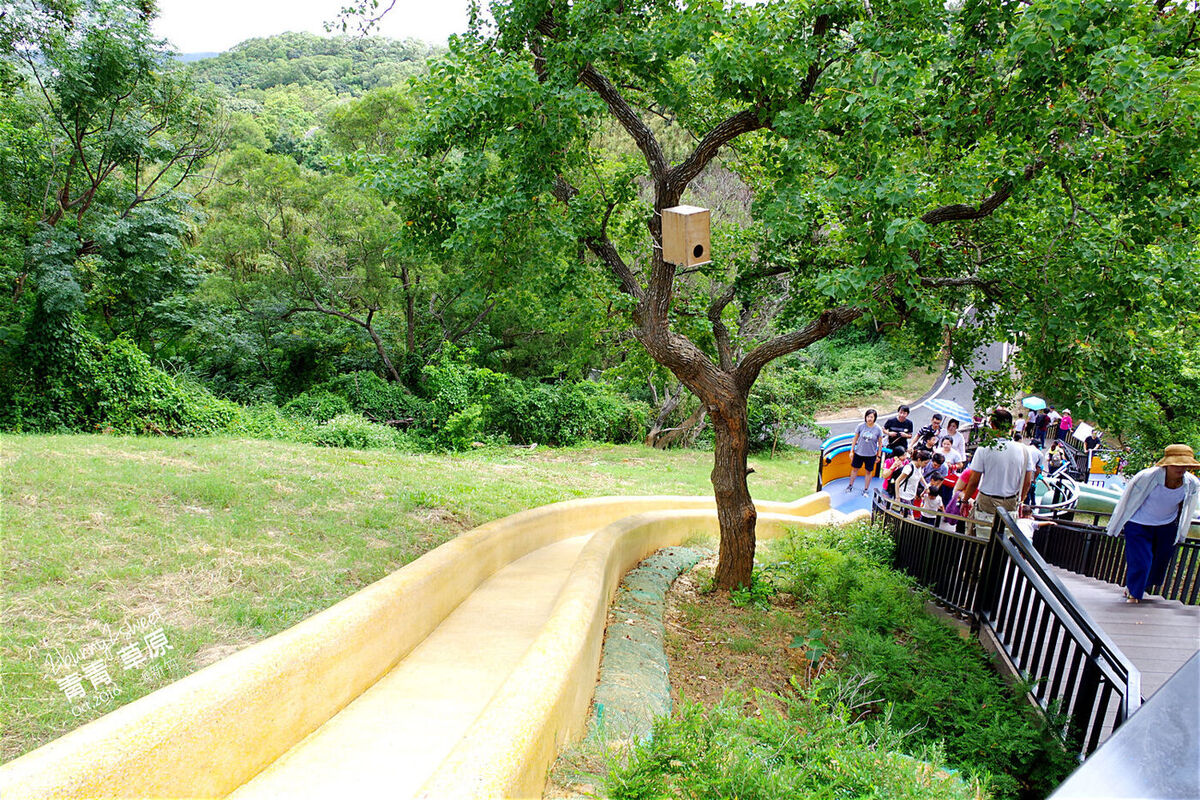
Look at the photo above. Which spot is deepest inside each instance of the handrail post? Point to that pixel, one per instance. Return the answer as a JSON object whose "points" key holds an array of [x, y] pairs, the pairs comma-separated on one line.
{"points": [[989, 580], [1085, 698], [1089, 553]]}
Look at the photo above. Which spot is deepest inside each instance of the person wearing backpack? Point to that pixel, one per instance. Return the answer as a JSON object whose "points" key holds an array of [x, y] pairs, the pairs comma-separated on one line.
{"points": [[1040, 426], [910, 482]]}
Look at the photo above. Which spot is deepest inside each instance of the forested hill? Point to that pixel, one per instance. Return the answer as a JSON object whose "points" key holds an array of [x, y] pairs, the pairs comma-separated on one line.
{"points": [[343, 65], [280, 90]]}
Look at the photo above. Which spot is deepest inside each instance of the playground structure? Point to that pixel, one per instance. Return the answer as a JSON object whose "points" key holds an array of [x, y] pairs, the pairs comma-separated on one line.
{"points": [[460, 675]]}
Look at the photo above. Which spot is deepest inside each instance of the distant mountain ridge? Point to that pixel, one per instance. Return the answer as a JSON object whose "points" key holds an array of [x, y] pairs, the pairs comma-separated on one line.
{"points": [[188, 58], [342, 65]]}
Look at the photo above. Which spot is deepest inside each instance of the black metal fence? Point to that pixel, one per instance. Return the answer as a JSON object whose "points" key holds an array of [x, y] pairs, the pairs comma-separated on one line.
{"points": [[948, 562], [1085, 549], [1001, 583]]}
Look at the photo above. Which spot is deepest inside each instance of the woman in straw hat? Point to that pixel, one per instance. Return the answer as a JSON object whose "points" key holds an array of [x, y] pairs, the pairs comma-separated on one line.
{"points": [[1154, 513]]}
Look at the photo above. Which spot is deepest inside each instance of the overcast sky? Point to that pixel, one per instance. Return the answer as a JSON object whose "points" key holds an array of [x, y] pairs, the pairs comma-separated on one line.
{"points": [[199, 26]]}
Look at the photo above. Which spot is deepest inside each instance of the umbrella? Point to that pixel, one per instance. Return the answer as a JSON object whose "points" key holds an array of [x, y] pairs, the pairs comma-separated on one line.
{"points": [[949, 409], [1034, 403]]}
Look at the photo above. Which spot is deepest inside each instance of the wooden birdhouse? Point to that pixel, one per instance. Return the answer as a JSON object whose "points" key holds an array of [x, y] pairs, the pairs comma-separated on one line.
{"points": [[685, 236]]}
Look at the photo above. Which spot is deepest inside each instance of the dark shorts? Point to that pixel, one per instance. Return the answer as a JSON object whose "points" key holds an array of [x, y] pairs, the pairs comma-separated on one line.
{"points": [[863, 462]]}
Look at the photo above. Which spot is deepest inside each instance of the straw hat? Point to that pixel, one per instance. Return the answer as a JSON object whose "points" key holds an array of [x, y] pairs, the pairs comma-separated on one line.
{"points": [[1178, 455]]}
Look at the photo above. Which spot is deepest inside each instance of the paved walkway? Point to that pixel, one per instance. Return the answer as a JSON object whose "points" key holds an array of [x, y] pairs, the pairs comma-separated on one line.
{"points": [[1157, 635]]}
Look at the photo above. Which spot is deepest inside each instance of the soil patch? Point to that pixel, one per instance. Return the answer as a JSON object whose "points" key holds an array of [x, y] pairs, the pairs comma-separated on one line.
{"points": [[714, 647]]}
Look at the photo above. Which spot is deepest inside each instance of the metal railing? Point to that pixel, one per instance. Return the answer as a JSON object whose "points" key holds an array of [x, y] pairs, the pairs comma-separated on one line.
{"points": [[948, 562], [1002, 584], [1078, 460], [1089, 551]]}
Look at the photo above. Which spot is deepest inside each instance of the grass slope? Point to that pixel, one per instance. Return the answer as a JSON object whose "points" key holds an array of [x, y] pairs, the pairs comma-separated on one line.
{"points": [[224, 542]]}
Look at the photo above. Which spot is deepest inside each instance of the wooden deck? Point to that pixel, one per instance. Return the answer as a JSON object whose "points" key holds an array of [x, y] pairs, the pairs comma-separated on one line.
{"points": [[1157, 635]]}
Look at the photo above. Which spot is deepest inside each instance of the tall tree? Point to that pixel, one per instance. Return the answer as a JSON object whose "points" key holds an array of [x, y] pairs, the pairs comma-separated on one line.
{"points": [[906, 157], [119, 136], [319, 243]]}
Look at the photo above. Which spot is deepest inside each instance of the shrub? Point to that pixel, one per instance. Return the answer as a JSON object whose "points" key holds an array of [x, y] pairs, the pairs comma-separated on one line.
{"points": [[462, 428], [566, 413], [134, 396], [528, 411], [375, 398], [88, 385], [811, 748], [351, 430], [779, 403], [317, 404], [934, 682], [266, 421]]}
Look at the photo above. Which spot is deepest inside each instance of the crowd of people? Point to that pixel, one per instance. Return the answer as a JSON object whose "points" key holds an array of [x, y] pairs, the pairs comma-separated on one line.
{"points": [[927, 470], [928, 475]]}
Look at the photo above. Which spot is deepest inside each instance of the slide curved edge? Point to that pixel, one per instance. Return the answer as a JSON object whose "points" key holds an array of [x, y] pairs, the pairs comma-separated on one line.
{"points": [[208, 733], [543, 704]]}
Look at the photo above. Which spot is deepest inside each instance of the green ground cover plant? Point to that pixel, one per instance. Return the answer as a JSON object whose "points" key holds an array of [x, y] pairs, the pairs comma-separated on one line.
{"points": [[885, 700], [232, 540], [807, 747], [929, 679]]}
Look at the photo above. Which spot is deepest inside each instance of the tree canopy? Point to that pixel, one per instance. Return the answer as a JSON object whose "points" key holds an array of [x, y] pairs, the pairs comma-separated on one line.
{"points": [[905, 159], [300, 211]]}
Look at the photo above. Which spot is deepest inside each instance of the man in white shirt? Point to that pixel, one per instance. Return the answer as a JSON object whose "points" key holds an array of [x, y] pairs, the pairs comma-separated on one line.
{"points": [[1001, 470]]}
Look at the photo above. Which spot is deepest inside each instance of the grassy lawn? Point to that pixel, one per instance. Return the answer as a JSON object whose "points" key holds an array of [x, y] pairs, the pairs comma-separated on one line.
{"points": [[223, 542], [915, 383]]}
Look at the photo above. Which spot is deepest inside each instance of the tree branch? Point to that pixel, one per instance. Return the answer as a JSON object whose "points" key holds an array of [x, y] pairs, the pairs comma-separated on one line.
{"points": [[720, 332], [642, 136], [742, 122], [601, 246], [471, 326], [824, 325], [959, 212], [967, 280]]}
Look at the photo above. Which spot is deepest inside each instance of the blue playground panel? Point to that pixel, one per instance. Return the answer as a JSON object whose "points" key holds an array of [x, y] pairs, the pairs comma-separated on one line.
{"points": [[835, 466], [849, 502]]}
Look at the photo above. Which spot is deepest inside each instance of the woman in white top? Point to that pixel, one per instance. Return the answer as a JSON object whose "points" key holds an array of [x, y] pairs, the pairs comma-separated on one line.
{"points": [[953, 458], [1155, 512], [960, 441]]}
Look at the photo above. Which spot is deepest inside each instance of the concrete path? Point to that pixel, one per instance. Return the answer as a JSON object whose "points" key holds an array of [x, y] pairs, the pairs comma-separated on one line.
{"points": [[1157, 635]]}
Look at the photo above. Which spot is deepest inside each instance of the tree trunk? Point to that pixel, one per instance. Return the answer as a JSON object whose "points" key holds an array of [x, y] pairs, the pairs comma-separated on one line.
{"points": [[665, 408], [735, 509], [410, 312], [387, 362]]}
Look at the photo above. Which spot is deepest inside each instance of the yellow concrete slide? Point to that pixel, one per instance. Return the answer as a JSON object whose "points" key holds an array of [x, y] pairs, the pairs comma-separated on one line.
{"points": [[460, 675]]}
